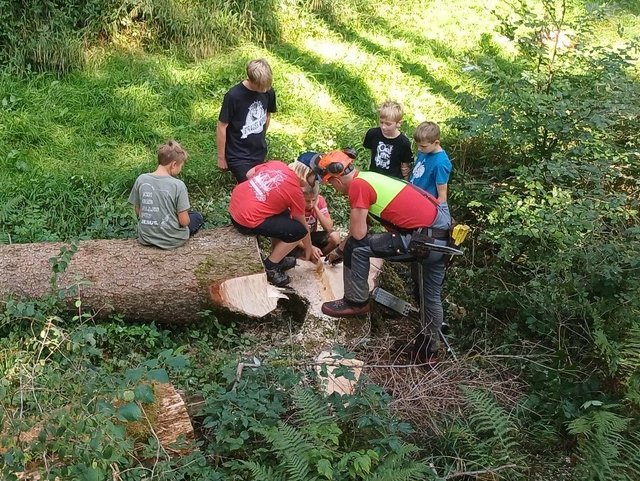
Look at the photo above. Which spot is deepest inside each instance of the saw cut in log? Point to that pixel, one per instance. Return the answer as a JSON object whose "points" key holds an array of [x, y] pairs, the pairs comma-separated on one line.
{"points": [[319, 283], [217, 267]]}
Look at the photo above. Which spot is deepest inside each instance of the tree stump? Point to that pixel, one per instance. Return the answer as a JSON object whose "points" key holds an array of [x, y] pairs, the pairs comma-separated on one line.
{"points": [[166, 419]]}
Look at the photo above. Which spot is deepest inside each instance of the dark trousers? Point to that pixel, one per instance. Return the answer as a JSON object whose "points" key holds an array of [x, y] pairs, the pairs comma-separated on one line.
{"points": [[196, 221]]}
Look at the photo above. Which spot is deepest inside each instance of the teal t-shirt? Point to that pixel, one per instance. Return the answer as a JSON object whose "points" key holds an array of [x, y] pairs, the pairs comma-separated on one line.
{"points": [[431, 170], [160, 198]]}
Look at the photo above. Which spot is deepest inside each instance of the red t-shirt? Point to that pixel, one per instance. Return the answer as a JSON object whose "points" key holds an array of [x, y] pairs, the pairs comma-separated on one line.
{"points": [[310, 215], [272, 189], [393, 200]]}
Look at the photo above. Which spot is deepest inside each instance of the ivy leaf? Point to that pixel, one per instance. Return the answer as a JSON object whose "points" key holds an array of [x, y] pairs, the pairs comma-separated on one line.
{"points": [[93, 474], [362, 464], [345, 372], [159, 375], [176, 362], [134, 375], [107, 452], [144, 393]]}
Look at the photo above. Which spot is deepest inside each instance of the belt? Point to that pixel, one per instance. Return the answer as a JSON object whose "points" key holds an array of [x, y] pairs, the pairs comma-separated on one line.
{"points": [[439, 234]]}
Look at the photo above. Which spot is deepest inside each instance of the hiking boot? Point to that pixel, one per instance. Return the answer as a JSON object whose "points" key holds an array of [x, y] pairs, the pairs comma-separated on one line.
{"points": [[423, 351], [421, 357], [287, 263], [277, 277], [343, 308]]}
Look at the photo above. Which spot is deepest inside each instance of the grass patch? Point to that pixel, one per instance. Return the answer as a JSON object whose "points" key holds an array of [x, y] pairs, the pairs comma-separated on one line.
{"points": [[71, 147]]}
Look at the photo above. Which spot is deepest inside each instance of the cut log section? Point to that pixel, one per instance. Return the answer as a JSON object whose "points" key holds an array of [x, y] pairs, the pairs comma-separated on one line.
{"points": [[319, 283], [216, 268], [166, 419], [331, 382]]}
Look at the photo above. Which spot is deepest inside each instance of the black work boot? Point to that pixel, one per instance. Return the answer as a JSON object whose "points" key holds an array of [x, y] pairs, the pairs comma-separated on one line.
{"points": [[277, 277], [287, 263]]}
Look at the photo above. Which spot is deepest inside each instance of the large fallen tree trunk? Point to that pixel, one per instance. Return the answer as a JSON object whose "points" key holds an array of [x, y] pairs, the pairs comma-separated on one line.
{"points": [[216, 268]]}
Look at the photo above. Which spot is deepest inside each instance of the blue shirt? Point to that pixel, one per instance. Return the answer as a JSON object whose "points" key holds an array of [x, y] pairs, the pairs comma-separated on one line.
{"points": [[431, 170]]}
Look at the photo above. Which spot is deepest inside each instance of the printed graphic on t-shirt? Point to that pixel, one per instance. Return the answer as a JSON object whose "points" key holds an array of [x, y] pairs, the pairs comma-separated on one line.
{"points": [[149, 212], [256, 118], [263, 182], [418, 170], [383, 155], [147, 209], [312, 221]]}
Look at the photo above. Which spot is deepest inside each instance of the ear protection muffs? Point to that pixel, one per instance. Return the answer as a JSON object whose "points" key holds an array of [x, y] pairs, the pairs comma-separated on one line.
{"points": [[351, 152], [332, 164]]}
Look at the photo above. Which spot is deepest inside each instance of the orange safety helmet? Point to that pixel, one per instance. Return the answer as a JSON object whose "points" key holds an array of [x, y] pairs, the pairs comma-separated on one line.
{"points": [[333, 164]]}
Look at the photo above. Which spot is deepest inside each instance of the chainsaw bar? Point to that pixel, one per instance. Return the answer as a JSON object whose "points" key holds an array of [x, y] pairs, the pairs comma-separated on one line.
{"points": [[392, 302]]}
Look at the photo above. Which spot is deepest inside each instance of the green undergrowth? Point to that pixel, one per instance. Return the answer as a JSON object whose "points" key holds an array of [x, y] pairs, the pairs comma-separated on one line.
{"points": [[544, 146]]}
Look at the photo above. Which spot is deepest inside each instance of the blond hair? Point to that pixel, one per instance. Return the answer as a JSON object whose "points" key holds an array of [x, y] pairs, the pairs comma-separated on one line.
{"points": [[302, 171], [171, 151], [427, 132], [259, 73], [390, 110]]}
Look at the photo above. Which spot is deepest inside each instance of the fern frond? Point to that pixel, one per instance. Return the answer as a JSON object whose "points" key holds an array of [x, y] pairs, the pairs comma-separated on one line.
{"points": [[397, 467], [8, 206], [292, 449], [288, 439], [314, 418], [262, 473], [492, 421], [605, 451], [630, 361], [312, 409]]}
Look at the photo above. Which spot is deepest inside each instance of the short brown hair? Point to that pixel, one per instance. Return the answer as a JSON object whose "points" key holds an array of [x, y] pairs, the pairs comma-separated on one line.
{"points": [[313, 190], [390, 110], [171, 151], [259, 73], [427, 132]]}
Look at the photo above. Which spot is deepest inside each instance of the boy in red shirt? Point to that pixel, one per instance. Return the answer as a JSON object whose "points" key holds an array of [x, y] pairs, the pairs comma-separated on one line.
{"points": [[271, 203], [317, 213]]}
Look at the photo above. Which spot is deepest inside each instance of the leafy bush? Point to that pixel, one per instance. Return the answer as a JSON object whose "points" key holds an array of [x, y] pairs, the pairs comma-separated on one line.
{"points": [[558, 243], [351, 437]]}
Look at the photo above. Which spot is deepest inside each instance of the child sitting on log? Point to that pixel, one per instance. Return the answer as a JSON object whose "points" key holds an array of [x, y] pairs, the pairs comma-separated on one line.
{"points": [[162, 203]]}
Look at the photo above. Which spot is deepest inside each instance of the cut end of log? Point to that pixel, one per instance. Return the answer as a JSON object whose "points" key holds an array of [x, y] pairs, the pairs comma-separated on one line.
{"points": [[319, 283], [251, 295], [338, 384]]}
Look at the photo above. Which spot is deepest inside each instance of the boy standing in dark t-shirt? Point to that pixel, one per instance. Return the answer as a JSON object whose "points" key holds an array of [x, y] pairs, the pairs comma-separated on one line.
{"points": [[244, 119], [390, 148]]}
